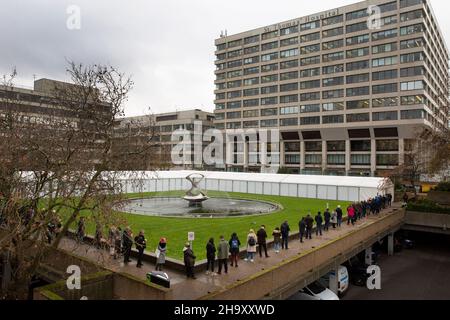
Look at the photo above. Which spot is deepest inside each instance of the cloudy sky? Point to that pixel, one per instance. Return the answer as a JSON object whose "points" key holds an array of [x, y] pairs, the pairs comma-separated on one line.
{"points": [[167, 46]]}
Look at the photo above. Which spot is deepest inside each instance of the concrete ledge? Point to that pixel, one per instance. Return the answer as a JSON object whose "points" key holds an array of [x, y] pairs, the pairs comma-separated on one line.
{"points": [[438, 221]]}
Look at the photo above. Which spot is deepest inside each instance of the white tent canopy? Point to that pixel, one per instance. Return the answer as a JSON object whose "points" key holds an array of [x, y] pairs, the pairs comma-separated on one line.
{"points": [[304, 186]]}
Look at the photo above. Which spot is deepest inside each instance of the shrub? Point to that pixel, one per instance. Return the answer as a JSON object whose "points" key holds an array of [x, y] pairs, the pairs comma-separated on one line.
{"points": [[427, 206], [443, 186]]}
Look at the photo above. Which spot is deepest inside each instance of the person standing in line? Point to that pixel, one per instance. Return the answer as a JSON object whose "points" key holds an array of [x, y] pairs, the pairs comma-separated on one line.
{"points": [[309, 226], [117, 243], [210, 256], [222, 254], [285, 229], [161, 256], [302, 228], [319, 222], [81, 230], [334, 219], [127, 241], [141, 244], [327, 218], [251, 246], [262, 241], [189, 260], [339, 215], [276, 239], [350, 215], [234, 244]]}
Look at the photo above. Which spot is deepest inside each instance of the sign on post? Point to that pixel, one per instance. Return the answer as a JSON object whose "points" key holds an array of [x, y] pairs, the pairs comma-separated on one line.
{"points": [[191, 236]]}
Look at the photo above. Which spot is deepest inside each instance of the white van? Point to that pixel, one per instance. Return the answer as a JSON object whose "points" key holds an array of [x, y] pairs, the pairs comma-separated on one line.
{"points": [[314, 291], [343, 280]]}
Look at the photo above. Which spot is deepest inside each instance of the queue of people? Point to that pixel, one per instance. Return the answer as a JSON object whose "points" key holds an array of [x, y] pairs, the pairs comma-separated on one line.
{"points": [[255, 242]]}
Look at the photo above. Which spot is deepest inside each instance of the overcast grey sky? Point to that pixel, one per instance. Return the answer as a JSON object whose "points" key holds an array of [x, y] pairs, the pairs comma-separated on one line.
{"points": [[167, 46]]}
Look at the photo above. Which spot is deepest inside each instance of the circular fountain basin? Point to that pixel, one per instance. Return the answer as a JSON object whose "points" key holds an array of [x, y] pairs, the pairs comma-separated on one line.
{"points": [[213, 207]]}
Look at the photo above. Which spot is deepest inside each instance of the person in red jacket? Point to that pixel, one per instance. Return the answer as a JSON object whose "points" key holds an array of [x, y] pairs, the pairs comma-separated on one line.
{"points": [[350, 215]]}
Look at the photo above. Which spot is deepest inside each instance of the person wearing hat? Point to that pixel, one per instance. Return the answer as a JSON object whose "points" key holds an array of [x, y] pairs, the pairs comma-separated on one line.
{"points": [[161, 254], [189, 260]]}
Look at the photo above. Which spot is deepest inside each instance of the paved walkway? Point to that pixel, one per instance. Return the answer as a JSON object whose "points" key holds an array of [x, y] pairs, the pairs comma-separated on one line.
{"points": [[188, 289]]}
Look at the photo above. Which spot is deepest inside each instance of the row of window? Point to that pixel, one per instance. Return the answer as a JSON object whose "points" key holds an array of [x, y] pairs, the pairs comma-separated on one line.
{"points": [[330, 119]]}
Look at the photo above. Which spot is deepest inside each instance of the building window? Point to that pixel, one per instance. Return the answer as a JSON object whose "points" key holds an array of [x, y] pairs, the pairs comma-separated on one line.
{"points": [[360, 159], [335, 56], [358, 78], [292, 146], [411, 57], [356, 14], [358, 117], [358, 104], [360, 91], [412, 114], [310, 25], [412, 72], [251, 50], [387, 145], [336, 159], [251, 92], [310, 96], [289, 75], [289, 53], [251, 81], [269, 101], [360, 145], [292, 159], [269, 35], [251, 103], [360, 26], [383, 48], [234, 115], [386, 34], [384, 75], [358, 39], [387, 159], [313, 159], [385, 88], [251, 124], [269, 57], [336, 146], [332, 20], [269, 67], [331, 69], [412, 100], [385, 116], [309, 108], [355, 53], [417, 28], [250, 113], [289, 98], [269, 46], [358, 65], [289, 122], [333, 94], [409, 3], [412, 43], [309, 121], [310, 72], [310, 49], [269, 78], [339, 118], [336, 81], [412, 85], [289, 64], [289, 87], [332, 32], [289, 110], [289, 30], [309, 84], [289, 42], [269, 123], [333, 44], [310, 37], [381, 62], [333, 106], [385, 102], [269, 112]]}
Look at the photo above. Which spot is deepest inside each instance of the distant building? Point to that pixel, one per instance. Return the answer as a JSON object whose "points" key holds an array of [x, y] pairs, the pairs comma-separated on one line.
{"points": [[156, 131]]}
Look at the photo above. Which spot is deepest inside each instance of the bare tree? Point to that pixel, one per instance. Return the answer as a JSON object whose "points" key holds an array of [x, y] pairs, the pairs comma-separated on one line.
{"points": [[56, 162]]}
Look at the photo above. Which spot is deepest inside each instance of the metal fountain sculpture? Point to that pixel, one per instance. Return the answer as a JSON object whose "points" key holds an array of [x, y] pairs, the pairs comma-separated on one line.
{"points": [[195, 196]]}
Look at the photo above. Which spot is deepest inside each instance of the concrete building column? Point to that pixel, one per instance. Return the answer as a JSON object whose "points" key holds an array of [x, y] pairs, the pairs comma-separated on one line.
{"points": [[401, 151], [368, 256], [391, 244], [282, 160], [302, 155], [373, 157], [347, 156], [246, 147], [229, 147], [324, 156]]}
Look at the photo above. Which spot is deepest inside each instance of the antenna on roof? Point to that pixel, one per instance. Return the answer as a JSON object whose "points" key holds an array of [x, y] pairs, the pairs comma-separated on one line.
{"points": [[223, 33]]}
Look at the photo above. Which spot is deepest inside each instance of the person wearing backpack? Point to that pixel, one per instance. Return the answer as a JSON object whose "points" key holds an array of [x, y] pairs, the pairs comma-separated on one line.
{"points": [[234, 249], [251, 246]]}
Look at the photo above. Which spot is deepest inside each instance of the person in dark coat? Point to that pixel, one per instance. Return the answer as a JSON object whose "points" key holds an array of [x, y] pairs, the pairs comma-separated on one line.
{"points": [[285, 235], [327, 218], [339, 216], [319, 222], [210, 256], [234, 249], [261, 235], [127, 243], [81, 230], [141, 244], [189, 260], [302, 228], [309, 226]]}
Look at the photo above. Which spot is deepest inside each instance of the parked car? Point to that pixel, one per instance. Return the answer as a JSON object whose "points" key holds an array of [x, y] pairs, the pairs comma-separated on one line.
{"points": [[343, 280], [314, 291]]}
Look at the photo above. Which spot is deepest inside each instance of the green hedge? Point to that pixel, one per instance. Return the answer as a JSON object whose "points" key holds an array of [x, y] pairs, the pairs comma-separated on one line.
{"points": [[427, 206], [443, 186]]}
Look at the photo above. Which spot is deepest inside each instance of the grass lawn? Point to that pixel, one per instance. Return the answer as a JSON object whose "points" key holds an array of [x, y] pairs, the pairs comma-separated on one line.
{"points": [[176, 229]]}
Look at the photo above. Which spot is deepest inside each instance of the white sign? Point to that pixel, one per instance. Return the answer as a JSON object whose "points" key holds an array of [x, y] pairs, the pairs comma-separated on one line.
{"points": [[191, 236]]}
